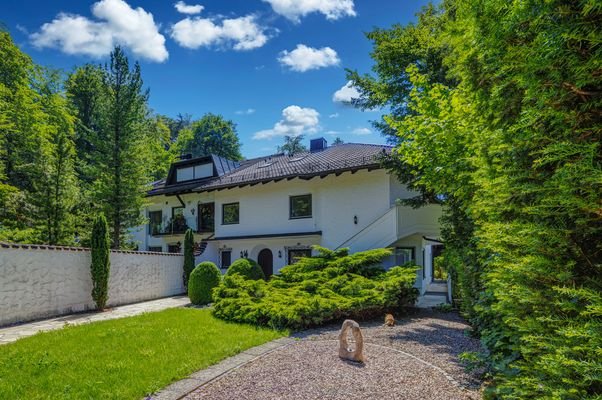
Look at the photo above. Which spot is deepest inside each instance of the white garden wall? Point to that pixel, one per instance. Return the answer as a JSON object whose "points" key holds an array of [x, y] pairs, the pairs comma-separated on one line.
{"points": [[44, 281]]}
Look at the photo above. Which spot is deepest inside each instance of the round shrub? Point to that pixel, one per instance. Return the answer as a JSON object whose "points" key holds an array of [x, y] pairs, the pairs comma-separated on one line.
{"points": [[202, 280], [247, 268]]}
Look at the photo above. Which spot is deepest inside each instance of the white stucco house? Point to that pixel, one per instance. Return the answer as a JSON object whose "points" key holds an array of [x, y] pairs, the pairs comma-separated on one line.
{"points": [[273, 209]]}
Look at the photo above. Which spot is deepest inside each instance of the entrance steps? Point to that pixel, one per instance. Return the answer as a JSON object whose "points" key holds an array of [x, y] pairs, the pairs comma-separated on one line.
{"points": [[435, 294]]}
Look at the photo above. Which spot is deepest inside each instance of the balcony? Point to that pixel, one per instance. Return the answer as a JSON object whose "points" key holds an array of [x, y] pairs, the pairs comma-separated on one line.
{"points": [[176, 226]]}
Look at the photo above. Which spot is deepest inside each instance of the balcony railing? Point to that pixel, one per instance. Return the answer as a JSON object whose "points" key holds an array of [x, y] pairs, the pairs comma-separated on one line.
{"points": [[177, 227]]}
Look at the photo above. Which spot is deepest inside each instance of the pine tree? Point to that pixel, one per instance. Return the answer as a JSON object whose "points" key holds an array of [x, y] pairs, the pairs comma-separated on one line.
{"points": [[119, 168]]}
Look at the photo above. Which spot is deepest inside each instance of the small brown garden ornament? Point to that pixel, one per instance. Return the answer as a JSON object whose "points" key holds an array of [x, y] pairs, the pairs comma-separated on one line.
{"points": [[345, 352]]}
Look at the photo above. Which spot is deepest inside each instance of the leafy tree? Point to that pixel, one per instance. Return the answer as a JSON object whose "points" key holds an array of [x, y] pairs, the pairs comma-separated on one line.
{"points": [[101, 265], [175, 125], [337, 141], [212, 134], [120, 172], [188, 256], [292, 145], [54, 192], [494, 113]]}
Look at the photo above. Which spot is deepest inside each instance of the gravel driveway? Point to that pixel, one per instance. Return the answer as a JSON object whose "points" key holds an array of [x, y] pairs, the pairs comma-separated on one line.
{"points": [[416, 359]]}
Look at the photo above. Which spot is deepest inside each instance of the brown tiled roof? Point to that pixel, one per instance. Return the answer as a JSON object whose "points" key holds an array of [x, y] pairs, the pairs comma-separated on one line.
{"points": [[334, 159]]}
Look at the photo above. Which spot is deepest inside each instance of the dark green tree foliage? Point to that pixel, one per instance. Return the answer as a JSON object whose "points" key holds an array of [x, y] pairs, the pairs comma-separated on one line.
{"points": [[100, 267], [292, 145], [212, 134], [203, 279], [246, 268], [316, 290], [119, 158], [509, 140], [188, 255]]}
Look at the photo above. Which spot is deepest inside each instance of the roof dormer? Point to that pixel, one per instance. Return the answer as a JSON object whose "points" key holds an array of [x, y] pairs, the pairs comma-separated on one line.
{"points": [[198, 169]]}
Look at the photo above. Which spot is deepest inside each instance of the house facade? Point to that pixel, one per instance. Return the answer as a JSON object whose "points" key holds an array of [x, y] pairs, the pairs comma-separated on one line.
{"points": [[274, 209]]}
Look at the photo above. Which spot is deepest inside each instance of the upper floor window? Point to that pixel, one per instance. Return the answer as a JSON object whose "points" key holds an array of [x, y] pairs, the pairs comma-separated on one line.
{"points": [[300, 206], [230, 213], [194, 172]]}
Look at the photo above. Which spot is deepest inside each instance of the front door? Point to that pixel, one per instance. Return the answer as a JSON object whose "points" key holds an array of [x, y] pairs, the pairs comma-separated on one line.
{"points": [[438, 272], [266, 261]]}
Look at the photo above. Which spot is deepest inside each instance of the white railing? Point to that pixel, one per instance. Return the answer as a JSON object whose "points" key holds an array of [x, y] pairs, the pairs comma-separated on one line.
{"points": [[396, 223]]}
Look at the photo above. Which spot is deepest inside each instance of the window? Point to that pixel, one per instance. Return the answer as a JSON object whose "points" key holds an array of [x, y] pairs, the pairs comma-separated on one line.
{"points": [[295, 254], [157, 249], [225, 258], [206, 217], [300, 206], [230, 213], [155, 219], [173, 248], [404, 255], [194, 172], [184, 174]]}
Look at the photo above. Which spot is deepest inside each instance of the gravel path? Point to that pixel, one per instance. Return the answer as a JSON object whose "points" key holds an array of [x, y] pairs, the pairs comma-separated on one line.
{"points": [[416, 359]]}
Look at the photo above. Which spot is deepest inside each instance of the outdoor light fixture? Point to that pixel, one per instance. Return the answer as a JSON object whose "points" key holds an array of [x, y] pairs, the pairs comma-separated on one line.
{"points": [[192, 211], [279, 253], [355, 219]]}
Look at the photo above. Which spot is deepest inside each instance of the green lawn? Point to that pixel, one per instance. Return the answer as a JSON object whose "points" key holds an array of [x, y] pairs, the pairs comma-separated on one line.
{"points": [[121, 359]]}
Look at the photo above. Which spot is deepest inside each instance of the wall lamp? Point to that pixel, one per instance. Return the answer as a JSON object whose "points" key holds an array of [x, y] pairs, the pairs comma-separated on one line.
{"points": [[355, 219], [279, 253]]}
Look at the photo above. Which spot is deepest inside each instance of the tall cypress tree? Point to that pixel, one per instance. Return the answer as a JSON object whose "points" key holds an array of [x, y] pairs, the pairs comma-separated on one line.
{"points": [[101, 265], [188, 255]]}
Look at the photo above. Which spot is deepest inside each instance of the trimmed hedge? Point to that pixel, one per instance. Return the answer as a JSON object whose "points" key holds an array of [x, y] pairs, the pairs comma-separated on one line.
{"points": [[316, 290], [246, 268], [202, 280]]}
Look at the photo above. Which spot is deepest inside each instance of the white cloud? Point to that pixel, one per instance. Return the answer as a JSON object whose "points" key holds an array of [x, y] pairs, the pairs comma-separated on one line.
{"points": [[361, 131], [248, 111], [304, 58], [241, 33], [295, 9], [346, 93], [191, 9], [117, 23], [295, 121], [335, 115]]}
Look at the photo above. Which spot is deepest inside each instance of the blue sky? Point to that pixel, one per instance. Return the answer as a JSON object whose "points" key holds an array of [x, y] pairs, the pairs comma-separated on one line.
{"points": [[272, 66]]}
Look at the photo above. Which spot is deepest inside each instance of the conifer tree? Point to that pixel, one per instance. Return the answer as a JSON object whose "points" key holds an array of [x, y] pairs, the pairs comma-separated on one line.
{"points": [[101, 265]]}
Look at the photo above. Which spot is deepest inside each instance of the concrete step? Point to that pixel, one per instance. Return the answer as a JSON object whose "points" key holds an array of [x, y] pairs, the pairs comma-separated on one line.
{"points": [[429, 300], [439, 287]]}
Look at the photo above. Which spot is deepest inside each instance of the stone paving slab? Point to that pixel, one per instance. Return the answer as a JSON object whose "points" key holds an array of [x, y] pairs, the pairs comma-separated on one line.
{"points": [[16, 332], [183, 387]]}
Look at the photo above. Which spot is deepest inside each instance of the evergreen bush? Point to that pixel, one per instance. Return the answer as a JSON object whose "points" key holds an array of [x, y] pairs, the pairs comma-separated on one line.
{"points": [[188, 255], [202, 280], [246, 268], [316, 290], [100, 267]]}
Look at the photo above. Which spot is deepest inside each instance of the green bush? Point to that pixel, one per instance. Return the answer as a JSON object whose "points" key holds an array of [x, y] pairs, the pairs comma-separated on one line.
{"points": [[100, 267], [316, 290], [246, 268], [188, 255], [202, 280]]}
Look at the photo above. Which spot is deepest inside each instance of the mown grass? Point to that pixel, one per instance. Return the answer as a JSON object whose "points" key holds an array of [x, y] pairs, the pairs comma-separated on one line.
{"points": [[127, 358]]}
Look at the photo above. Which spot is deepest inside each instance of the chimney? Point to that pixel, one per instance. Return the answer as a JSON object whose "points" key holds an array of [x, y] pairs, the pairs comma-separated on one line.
{"points": [[317, 144]]}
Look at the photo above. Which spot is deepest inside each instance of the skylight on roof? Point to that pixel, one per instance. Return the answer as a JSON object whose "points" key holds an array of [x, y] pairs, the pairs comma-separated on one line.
{"points": [[297, 158], [267, 164]]}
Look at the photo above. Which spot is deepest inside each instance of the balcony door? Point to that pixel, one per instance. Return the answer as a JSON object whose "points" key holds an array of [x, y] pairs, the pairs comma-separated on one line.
{"points": [[206, 221]]}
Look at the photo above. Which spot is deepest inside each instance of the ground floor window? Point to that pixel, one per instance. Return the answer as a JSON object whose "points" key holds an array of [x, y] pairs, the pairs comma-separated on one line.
{"points": [[225, 258], [295, 254], [155, 248], [404, 255]]}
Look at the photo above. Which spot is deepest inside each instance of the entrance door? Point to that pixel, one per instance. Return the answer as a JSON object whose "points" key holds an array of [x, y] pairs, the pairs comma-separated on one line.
{"points": [[438, 273], [266, 261]]}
